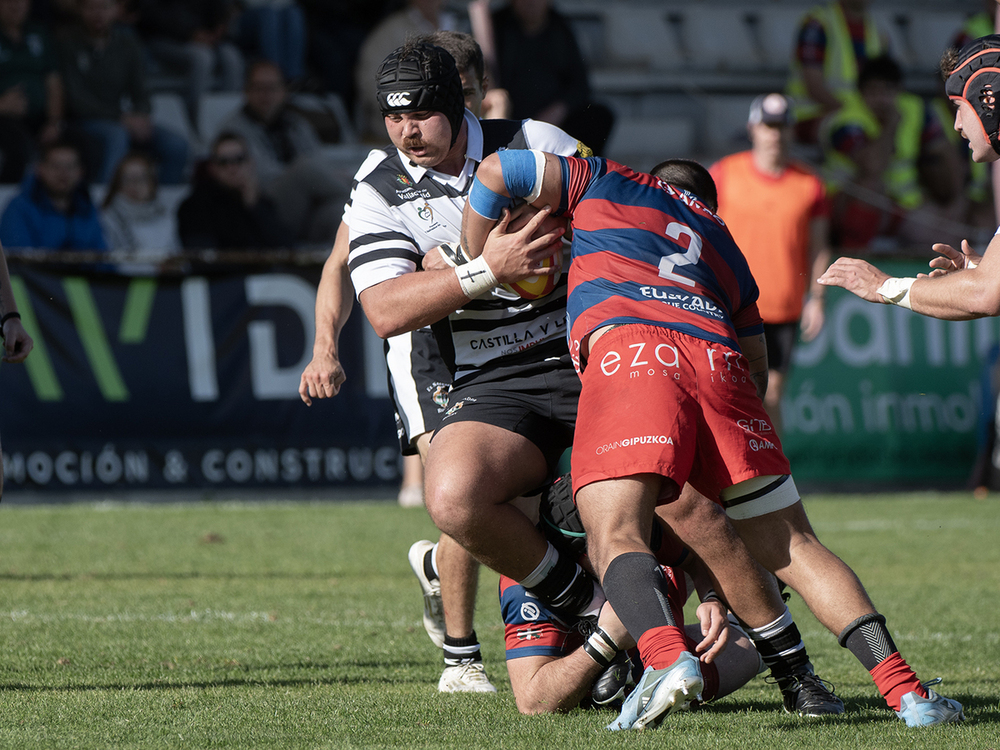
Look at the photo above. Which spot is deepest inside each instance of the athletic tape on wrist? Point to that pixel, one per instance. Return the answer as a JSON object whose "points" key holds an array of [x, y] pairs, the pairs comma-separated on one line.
{"points": [[486, 202], [897, 291], [476, 277]]}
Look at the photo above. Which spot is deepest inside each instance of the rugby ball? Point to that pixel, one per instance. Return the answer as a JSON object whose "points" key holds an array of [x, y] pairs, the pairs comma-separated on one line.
{"points": [[536, 287]]}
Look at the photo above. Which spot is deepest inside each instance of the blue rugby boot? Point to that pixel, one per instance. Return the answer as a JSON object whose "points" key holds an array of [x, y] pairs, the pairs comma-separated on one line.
{"points": [[929, 711], [660, 692]]}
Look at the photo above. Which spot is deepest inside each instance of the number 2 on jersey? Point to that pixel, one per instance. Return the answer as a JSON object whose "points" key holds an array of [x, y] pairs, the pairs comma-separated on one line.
{"points": [[688, 258]]}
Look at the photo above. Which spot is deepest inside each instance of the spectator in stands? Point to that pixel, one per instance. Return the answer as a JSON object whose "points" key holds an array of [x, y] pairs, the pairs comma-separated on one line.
{"points": [[833, 43], [106, 96], [888, 165], [132, 216], [53, 211], [227, 209], [541, 67], [191, 37], [418, 17], [336, 31], [31, 94], [307, 189], [778, 213], [276, 31]]}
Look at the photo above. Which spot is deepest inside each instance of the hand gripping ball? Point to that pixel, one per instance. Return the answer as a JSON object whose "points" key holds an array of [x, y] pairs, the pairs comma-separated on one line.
{"points": [[536, 287]]}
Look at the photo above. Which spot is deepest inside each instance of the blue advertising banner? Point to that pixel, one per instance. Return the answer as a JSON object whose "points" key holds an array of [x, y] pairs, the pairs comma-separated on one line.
{"points": [[171, 381], [190, 381], [888, 396]]}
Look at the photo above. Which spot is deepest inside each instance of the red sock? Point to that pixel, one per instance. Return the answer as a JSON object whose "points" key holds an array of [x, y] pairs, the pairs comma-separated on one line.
{"points": [[660, 647], [894, 679]]}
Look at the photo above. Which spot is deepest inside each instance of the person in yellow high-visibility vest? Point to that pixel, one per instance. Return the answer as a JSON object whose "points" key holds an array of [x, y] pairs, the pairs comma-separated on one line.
{"points": [[877, 148], [833, 43]]}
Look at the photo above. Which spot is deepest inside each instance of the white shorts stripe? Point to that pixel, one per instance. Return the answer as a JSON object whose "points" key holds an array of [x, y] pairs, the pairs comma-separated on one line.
{"points": [[399, 361]]}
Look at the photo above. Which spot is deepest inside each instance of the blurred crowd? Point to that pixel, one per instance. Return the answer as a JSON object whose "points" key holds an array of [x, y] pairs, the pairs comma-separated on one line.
{"points": [[78, 136]]}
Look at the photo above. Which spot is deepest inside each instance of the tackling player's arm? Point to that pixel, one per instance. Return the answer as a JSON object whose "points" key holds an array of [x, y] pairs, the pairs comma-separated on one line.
{"points": [[408, 301], [412, 301], [552, 684], [966, 294], [324, 374]]}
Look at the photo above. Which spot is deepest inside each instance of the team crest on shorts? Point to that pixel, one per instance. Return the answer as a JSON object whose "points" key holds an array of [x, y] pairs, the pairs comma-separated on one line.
{"points": [[440, 394]]}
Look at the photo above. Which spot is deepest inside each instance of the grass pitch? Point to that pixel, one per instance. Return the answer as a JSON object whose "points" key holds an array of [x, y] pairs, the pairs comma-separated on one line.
{"points": [[298, 625]]}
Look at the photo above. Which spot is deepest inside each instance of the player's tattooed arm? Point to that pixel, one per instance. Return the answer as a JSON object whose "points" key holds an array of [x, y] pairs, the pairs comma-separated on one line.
{"points": [[755, 350]]}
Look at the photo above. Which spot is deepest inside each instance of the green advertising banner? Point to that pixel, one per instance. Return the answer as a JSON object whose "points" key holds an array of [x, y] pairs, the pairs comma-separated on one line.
{"points": [[886, 395]]}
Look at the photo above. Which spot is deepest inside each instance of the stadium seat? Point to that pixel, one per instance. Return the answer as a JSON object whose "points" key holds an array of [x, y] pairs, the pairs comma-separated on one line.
{"points": [[773, 28], [643, 142], [169, 111], [932, 32], [213, 109], [726, 124], [639, 36], [719, 41]]}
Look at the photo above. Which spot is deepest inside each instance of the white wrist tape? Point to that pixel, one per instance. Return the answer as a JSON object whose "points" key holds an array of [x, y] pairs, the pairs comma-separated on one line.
{"points": [[600, 647], [897, 291], [476, 277]]}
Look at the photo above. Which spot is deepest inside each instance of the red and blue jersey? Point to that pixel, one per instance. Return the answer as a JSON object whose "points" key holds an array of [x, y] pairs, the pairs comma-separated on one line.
{"points": [[647, 252]]}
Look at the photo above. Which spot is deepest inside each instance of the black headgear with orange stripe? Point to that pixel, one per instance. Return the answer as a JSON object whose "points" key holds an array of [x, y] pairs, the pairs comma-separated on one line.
{"points": [[421, 77], [975, 79]]}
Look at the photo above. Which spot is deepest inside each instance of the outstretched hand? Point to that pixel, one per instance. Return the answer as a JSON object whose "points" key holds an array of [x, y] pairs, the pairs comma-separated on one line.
{"points": [[856, 276], [951, 259], [517, 245]]}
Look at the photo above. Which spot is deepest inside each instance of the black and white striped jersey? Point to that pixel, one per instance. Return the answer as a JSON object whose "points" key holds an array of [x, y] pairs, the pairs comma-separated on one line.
{"points": [[400, 211]]}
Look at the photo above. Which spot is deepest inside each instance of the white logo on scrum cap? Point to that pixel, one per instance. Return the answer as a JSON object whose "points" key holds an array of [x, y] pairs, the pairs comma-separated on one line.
{"points": [[398, 99]]}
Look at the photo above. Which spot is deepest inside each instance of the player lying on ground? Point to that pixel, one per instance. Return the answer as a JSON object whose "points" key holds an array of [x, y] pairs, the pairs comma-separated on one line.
{"points": [[556, 663]]}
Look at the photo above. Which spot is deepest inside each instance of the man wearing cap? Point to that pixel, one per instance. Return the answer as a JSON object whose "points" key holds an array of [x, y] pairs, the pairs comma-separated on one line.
{"points": [[777, 211], [964, 284], [511, 411]]}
